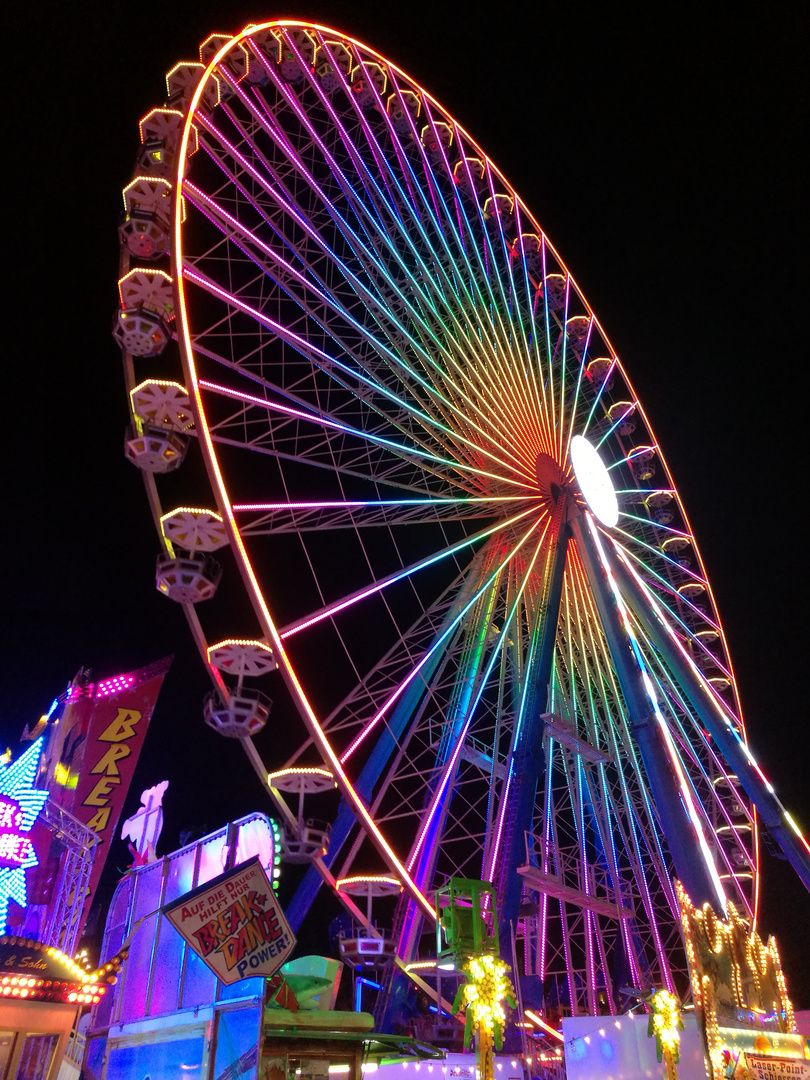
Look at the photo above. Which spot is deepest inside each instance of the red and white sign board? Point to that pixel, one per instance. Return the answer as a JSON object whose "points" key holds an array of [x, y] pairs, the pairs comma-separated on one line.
{"points": [[762, 1067], [234, 923]]}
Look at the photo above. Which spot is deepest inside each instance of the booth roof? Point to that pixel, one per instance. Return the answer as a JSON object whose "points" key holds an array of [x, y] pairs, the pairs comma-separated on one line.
{"points": [[33, 971]]}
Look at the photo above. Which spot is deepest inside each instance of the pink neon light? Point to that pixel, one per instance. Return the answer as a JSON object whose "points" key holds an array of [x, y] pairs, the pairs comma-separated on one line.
{"points": [[114, 685], [327, 505], [15, 850]]}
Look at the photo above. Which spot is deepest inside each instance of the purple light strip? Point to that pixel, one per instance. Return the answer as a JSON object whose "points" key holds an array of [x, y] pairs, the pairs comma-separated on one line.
{"points": [[439, 501]]}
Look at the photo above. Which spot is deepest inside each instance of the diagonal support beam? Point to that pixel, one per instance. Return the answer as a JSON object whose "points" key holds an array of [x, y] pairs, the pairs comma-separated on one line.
{"points": [[681, 839], [730, 744]]}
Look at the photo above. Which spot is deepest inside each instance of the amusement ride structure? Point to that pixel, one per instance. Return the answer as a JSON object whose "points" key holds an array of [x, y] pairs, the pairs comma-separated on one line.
{"points": [[362, 376]]}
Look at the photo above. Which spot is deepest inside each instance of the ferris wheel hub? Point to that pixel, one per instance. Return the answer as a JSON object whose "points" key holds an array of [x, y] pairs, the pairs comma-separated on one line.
{"points": [[553, 479]]}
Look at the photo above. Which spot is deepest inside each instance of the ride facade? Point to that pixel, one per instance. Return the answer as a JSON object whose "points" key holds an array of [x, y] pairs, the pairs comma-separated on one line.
{"points": [[444, 521]]}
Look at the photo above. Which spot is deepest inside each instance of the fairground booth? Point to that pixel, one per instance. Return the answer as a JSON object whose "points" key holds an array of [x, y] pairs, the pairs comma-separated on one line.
{"points": [[60, 802], [201, 921]]}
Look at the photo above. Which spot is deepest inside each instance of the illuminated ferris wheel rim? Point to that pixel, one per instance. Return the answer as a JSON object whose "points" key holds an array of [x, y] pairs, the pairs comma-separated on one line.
{"points": [[530, 508], [180, 271]]}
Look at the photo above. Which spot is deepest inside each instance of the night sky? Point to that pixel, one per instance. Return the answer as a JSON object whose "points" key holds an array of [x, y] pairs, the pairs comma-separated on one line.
{"points": [[662, 153]]}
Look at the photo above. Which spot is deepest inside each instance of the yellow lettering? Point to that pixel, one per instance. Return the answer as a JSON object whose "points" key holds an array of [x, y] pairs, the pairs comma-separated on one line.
{"points": [[107, 764], [122, 726], [98, 822], [98, 796]]}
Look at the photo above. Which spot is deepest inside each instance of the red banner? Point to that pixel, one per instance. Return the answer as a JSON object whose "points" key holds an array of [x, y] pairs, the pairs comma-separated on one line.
{"points": [[119, 713]]}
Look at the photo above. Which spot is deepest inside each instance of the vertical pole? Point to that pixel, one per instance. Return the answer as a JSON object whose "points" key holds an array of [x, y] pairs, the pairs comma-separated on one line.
{"points": [[484, 1047], [678, 831]]}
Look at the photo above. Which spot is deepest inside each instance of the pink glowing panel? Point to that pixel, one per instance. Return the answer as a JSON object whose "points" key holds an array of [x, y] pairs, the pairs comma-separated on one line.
{"points": [[114, 685]]}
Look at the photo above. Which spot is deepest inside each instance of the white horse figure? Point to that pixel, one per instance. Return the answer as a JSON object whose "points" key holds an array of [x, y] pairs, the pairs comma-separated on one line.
{"points": [[144, 827]]}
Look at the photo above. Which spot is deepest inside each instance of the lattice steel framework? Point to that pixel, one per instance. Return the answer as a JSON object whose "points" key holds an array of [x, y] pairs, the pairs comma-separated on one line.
{"points": [[385, 360]]}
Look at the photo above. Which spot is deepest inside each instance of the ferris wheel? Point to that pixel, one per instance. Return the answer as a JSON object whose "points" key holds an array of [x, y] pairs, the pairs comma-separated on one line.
{"points": [[443, 513]]}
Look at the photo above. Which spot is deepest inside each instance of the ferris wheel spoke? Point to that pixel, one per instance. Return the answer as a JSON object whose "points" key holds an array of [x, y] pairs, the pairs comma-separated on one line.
{"points": [[548, 323], [621, 417], [443, 467], [370, 693], [335, 411], [361, 594], [299, 434], [534, 362], [603, 386], [307, 516], [573, 402], [394, 473], [450, 439], [480, 280], [658, 605], [423, 753], [283, 272], [465, 717], [665, 561], [434, 425], [405, 205], [668, 594], [367, 257]]}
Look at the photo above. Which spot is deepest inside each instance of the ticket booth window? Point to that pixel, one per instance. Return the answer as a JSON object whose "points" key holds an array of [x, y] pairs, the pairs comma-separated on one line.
{"points": [[36, 1056]]}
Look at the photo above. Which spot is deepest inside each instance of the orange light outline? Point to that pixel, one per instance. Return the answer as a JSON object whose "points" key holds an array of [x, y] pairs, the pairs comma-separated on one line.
{"points": [[263, 613]]}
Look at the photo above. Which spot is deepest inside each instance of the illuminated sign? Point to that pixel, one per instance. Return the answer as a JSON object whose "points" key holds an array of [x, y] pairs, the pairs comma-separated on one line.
{"points": [[234, 924], [772, 1068], [15, 850], [20, 804], [109, 725], [739, 989]]}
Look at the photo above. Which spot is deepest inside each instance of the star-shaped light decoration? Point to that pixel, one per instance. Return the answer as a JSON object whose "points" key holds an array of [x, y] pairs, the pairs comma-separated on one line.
{"points": [[20, 804]]}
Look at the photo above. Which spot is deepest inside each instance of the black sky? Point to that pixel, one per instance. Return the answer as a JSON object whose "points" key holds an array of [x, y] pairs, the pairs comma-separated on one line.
{"points": [[663, 149]]}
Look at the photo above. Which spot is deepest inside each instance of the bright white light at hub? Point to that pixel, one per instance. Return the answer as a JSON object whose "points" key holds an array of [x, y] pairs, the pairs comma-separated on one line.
{"points": [[594, 481]]}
